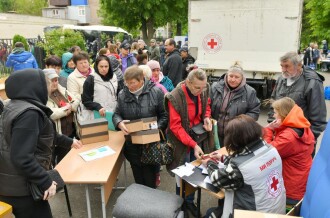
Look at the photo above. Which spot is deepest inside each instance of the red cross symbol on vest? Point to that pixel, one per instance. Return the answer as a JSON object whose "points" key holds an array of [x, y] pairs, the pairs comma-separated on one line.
{"points": [[274, 183]]}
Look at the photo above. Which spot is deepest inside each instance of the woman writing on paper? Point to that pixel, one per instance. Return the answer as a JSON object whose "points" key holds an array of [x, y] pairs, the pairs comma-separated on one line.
{"points": [[252, 173], [100, 88], [140, 98]]}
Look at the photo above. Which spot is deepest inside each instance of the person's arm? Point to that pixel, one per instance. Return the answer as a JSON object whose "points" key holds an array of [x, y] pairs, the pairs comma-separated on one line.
{"points": [[87, 97], [25, 134], [162, 116], [282, 141], [9, 61], [208, 108], [316, 108], [63, 140], [253, 109], [228, 177], [177, 129], [117, 117]]}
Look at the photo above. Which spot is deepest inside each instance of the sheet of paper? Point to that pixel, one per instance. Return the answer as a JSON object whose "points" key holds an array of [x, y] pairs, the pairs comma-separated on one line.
{"points": [[204, 169], [97, 153], [182, 171]]}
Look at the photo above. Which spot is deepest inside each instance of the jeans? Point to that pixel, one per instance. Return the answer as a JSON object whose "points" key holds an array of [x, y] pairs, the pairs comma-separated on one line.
{"points": [[188, 158]]}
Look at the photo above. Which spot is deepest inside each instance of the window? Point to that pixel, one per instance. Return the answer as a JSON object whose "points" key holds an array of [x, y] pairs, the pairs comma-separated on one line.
{"points": [[55, 12], [81, 11]]}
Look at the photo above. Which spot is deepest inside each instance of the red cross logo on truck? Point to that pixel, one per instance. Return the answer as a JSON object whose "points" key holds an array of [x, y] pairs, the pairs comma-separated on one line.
{"points": [[212, 43]]}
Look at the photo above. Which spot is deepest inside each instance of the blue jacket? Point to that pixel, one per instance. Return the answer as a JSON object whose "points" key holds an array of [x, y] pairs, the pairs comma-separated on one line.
{"points": [[23, 60]]}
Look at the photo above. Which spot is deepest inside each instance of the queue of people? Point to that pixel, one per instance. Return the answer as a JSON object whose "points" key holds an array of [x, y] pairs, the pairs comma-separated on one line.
{"points": [[184, 104]]}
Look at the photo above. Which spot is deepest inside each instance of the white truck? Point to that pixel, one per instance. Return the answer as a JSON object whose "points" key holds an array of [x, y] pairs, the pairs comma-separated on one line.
{"points": [[254, 32]]}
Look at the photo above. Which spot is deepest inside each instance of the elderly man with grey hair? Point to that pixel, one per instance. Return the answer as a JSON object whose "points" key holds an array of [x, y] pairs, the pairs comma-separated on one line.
{"points": [[305, 87]]}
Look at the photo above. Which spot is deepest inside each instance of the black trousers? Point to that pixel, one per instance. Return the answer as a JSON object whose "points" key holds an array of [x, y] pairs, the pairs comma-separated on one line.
{"points": [[145, 174], [26, 207]]}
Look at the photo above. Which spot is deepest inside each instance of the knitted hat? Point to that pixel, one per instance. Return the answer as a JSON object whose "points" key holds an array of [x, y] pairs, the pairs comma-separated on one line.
{"points": [[153, 64], [50, 73]]}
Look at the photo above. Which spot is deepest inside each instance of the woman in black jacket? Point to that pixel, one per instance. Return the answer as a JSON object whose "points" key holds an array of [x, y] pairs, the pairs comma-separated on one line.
{"points": [[140, 98], [28, 137]]}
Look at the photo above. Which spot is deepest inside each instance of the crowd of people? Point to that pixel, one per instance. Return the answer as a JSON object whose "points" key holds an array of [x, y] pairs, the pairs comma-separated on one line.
{"points": [[133, 82]]}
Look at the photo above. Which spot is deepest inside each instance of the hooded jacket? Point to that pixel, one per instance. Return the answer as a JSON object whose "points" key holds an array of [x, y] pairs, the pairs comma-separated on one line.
{"points": [[242, 100], [173, 67], [28, 136], [294, 141], [21, 60], [66, 71], [127, 61]]}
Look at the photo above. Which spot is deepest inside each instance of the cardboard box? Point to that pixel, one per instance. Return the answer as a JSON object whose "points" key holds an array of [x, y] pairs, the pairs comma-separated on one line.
{"points": [[255, 214], [89, 127], [142, 124], [145, 137], [95, 137]]}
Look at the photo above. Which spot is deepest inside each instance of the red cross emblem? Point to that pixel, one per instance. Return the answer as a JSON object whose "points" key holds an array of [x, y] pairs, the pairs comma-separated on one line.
{"points": [[274, 183], [212, 43]]}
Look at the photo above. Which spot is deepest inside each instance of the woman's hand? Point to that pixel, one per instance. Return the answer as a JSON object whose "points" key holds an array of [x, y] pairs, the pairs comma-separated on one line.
{"points": [[76, 144], [207, 124], [102, 112], [198, 152], [275, 124], [50, 192], [123, 128]]}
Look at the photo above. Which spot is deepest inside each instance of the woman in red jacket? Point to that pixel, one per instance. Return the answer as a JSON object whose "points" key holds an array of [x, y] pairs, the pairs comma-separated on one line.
{"points": [[291, 135]]}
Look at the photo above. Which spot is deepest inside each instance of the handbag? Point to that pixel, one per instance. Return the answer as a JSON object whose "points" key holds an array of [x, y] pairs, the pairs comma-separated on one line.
{"points": [[36, 191], [157, 153], [198, 133]]}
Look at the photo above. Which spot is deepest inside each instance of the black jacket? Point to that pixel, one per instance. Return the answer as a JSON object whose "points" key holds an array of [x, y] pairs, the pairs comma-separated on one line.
{"points": [[149, 104], [185, 63], [173, 67], [28, 136]]}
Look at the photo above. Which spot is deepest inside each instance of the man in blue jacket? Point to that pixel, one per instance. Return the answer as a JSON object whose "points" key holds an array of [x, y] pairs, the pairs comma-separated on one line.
{"points": [[20, 59]]}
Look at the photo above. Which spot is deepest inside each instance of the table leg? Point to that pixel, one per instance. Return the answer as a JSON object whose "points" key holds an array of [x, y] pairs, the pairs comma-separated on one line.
{"points": [[183, 195], [103, 202], [199, 195], [125, 173], [88, 202], [67, 200]]}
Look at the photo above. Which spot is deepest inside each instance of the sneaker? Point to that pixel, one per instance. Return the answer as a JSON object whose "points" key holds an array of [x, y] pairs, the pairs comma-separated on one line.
{"points": [[192, 208], [157, 180]]}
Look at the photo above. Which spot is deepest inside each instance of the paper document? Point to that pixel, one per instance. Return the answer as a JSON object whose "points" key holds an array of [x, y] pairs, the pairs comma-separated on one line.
{"points": [[207, 180], [97, 153]]}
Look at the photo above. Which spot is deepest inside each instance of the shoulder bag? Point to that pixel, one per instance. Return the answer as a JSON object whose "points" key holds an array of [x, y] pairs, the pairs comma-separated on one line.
{"points": [[157, 153]]}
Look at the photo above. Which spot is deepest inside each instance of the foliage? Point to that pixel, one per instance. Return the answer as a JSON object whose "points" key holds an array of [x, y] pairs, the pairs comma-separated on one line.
{"points": [[30, 7], [145, 15], [5, 71], [59, 41], [6, 5], [316, 22], [19, 38]]}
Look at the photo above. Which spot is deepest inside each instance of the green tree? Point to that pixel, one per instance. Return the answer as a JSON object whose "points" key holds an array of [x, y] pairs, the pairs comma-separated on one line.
{"points": [[145, 15], [316, 21], [6, 5], [30, 7], [22, 39], [60, 41]]}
